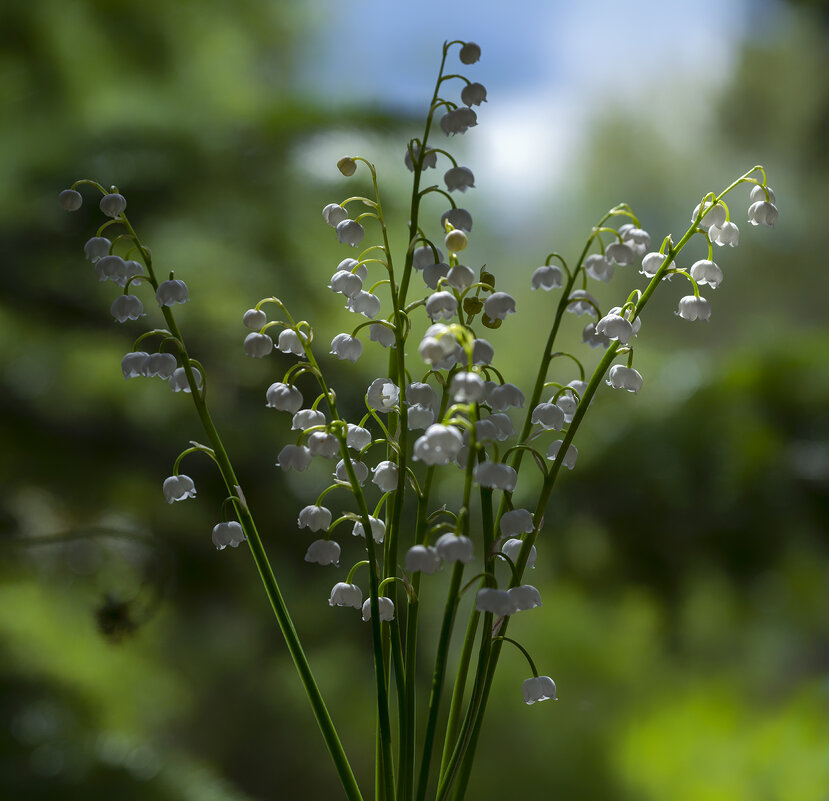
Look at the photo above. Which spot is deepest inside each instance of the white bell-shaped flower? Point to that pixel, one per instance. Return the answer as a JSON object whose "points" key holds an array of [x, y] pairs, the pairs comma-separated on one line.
{"points": [[460, 178], [504, 426], [346, 283], [438, 445], [420, 558], [378, 529], [315, 518], [254, 319], [385, 476], [470, 53], [498, 305], [364, 303], [132, 269], [171, 292], [294, 457], [258, 345], [762, 213], [726, 234], [284, 397], [412, 155], [599, 267], [591, 337], [460, 277], [425, 255], [620, 253], [546, 277], [353, 266], [651, 264], [441, 305], [515, 522], [113, 204], [457, 218], [549, 416], [473, 94], [614, 326], [498, 602], [307, 418], [467, 388], [454, 548], [289, 341], [360, 471], [111, 268], [482, 352], [345, 346], [178, 379], [323, 444], [127, 307], [70, 199], [505, 396], [581, 302], [621, 377], [512, 547], [385, 607], [432, 273], [421, 393], [538, 688], [705, 272], [96, 248], [636, 238], [525, 597], [225, 534], [323, 552], [693, 308], [758, 194], [570, 457], [382, 334], [357, 437], [350, 232], [132, 365], [714, 215], [485, 431], [458, 121], [334, 214], [343, 594], [382, 395], [419, 417], [162, 365], [178, 488], [495, 476]]}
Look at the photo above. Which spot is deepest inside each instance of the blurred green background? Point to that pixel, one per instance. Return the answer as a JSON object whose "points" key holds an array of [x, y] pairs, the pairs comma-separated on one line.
{"points": [[684, 562]]}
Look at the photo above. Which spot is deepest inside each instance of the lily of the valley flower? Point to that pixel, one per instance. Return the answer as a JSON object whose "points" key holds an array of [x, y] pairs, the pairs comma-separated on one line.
{"points": [[460, 178], [323, 552], [498, 305], [457, 218], [350, 232], [315, 518], [171, 292], [512, 547], [343, 594], [384, 605], [294, 457], [546, 277], [706, 272], [725, 234], [621, 377], [538, 688], [345, 346], [178, 488], [570, 457], [694, 308], [258, 345], [454, 548], [284, 397], [498, 602], [495, 476], [127, 307], [178, 380], [378, 529], [254, 319], [385, 476], [422, 558], [515, 522], [113, 204], [225, 534]]}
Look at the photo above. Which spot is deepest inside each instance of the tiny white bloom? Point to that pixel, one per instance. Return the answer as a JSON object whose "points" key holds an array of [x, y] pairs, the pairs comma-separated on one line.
{"points": [[377, 332], [495, 476], [460, 178], [473, 94], [345, 346], [111, 268], [350, 232], [423, 394], [294, 457], [385, 475], [470, 53], [706, 272], [725, 234], [422, 558], [127, 307], [582, 302], [498, 602], [432, 273], [162, 365], [384, 605], [636, 238], [323, 552], [289, 341], [425, 255], [570, 457], [378, 529], [546, 277], [307, 418], [419, 417], [343, 594], [651, 264], [364, 303], [762, 213], [620, 253], [482, 352], [334, 214], [254, 319], [315, 518], [430, 158], [346, 283], [70, 199], [549, 416], [284, 397], [96, 248], [178, 488], [441, 305], [360, 471], [621, 377], [357, 437], [353, 266], [258, 345], [515, 522], [498, 305], [454, 548], [599, 267], [322, 444], [132, 269], [113, 204], [382, 395], [457, 218], [439, 445], [614, 326], [132, 365], [505, 396], [525, 597], [714, 215], [512, 548], [171, 292], [178, 380], [591, 337], [467, 388], [225, 534], [458, 121], [693, 308], [538, 688]]}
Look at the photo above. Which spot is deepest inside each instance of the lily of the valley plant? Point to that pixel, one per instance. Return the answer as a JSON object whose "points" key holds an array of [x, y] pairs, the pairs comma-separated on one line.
{"points": [[446, 409]]}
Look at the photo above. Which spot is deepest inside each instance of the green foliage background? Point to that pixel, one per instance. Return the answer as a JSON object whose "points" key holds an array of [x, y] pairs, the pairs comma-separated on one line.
{"points": [[683, 565]]}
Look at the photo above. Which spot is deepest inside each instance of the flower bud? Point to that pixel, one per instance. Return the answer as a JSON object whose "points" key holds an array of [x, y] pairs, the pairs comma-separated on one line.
{"points": [[258, 345], [347, 166], [334, 214], [350, 232], [455, 241], [70, 200], [254, 319], [113, 204], [470, 53]]}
